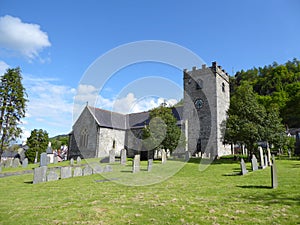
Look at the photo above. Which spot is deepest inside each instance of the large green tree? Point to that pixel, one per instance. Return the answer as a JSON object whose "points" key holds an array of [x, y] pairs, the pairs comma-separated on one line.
{"points": [[12, 106], [162, 132], [37, 142]]}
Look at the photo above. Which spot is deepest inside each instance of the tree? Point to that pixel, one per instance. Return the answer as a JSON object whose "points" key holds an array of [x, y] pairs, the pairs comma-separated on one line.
{"points": [[245, 118], [162, 132], [12, 106], [37, 142]]}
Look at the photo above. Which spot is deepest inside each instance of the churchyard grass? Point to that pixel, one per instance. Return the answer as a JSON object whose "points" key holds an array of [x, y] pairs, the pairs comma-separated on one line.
{"points": [[217, 195]]}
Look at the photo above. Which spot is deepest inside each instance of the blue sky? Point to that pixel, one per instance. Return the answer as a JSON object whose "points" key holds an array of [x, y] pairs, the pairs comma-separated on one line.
{"points": [[55, 42]]}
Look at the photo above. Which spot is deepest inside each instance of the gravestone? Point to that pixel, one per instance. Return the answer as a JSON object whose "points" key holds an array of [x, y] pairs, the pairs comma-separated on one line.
{"points": [[43, 159], [266, 160], [123, 157], [274, 173], [16, 162], [261, 157], [163, 156], [78, 160], [136, 164], [243, 167], [97, 169], [7, 163], [87, 171], [55, 159], [187, 156], [25, 163], [48, 159], [254, 163], [77, 172], [65, 172], [52, 175], [107, 168], [269, 157], [36, 157], [39, 174], [71, 162], [112, 156], [150, 164]]}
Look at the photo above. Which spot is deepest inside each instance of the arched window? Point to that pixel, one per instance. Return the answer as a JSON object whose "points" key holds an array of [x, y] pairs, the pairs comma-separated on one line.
{"points": [[223, 87], [84, 138]]}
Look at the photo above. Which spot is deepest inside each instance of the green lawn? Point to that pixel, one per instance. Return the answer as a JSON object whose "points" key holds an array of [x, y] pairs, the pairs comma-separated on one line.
{"points": [[213, 196]]}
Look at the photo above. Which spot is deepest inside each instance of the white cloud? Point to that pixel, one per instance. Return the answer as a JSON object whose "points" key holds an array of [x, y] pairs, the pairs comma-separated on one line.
{"points": [[3, 67], [24, 38]]}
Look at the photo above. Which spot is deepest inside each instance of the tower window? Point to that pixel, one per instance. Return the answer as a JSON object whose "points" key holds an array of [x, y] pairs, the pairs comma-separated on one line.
{"points": [[223, 87]]}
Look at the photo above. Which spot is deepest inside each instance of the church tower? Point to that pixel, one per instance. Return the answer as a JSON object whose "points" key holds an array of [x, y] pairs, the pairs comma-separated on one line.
{"points": [[206, 100]]}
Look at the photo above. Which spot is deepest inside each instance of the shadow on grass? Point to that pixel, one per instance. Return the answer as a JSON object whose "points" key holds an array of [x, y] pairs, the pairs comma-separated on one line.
{"points": [[28, 182], [255, 186], [232, 174]]}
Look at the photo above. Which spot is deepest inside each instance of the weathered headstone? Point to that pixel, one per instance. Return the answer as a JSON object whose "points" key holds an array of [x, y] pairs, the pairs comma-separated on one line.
{"points": [[52, 175], [87, 171], [274, 173], [269, 157], [150, 164], [187, 156], [16, 162], [254, 163], [71, 162], [163, 156], [136, 164], [261, 157], [243, 167], [36, 157], [107, 168], [77, 172], [55, 159], [123, 157], [39, 174], [112, 156], [8, 163], [97, 169], [78, 160], [43, 159], [266, 160], [25, 163], [65, 172]]}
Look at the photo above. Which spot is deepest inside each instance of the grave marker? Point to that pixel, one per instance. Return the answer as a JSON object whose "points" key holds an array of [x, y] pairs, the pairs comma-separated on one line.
{"points": [[269, 157], [274, 173], [112, 156], [78, 160], [52, 175], [15, 162], [261, 157], [71, 162], [55, 159], [123, 157], [39, 174], [136, 164], [65, 172], [150, 164], [266, 160], [254, 163], [25, 163], [36, 157], [243, 167], [163, 156], [87, 171], [43, 159], [77, 172], [97, 169]]}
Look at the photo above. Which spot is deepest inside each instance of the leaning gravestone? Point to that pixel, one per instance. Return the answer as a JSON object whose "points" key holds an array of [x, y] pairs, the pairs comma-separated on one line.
{"points": [[16, 162], [39, 174], [254, 163], [87, 171], [77, 172], [243, 167], [149, 166], [72, 162], [163, 156], [78, 160], [52, 175], [136, 164], [261, 157], [25, 163], [65, 172], [112, 156], [43, 159], [123, 157], [274, 173]]}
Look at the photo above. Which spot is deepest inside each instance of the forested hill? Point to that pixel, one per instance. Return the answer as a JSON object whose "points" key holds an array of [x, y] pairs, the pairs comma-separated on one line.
{"points": [[276, 86]]}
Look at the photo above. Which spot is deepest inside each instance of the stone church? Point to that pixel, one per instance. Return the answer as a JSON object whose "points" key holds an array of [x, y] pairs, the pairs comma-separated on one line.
{"points": [[201, 119]]}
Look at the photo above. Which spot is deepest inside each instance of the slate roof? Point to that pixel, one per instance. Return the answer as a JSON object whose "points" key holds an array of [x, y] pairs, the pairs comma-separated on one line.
{"points": [[115, 120]]}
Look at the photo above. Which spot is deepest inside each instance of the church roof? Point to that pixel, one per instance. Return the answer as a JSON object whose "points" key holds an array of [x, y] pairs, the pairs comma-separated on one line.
{"points": [[121, 121]]}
